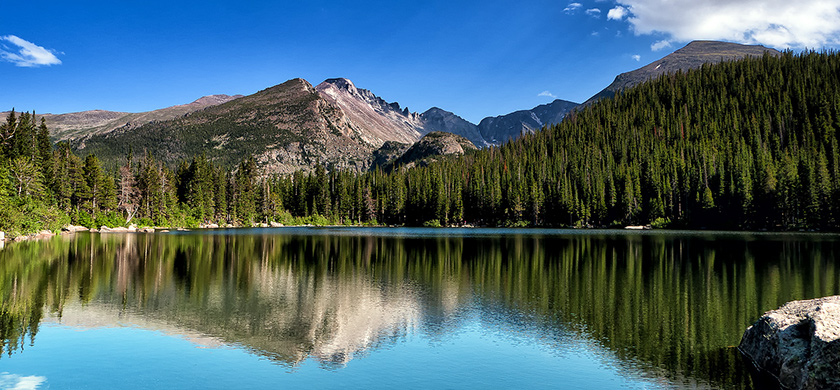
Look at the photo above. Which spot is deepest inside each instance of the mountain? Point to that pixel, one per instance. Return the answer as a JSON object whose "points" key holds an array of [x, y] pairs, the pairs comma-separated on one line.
{"points": [[379, 121], [431, 148], [286, 127], [692, 56], [500, 129], [436, 119], [78, 124], [375, 119]]}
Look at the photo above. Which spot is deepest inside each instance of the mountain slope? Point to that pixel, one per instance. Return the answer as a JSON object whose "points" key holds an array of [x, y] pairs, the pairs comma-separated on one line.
{"points": [[692, 56], [431, 148], [375, 119], [286, 127], [379, 121], [500, 129], [436, 119], [79, 124]]}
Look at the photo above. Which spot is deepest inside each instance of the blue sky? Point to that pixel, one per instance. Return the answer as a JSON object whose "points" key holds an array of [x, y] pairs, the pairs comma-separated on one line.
{"points": [[474, 58]]}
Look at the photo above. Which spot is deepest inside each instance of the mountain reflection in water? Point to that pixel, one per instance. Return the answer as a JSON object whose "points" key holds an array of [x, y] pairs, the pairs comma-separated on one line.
{"points": [[670, 306]]}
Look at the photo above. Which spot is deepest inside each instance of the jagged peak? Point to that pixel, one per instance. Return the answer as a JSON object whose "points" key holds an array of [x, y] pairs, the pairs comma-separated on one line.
{"points": [[340, 82], [343, 84]]}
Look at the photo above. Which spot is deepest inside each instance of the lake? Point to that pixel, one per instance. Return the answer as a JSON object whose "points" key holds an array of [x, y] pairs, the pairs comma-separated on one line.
{"points": [[397, 307]]}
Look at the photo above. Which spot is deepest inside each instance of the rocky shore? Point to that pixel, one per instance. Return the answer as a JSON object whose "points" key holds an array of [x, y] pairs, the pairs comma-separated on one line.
{"points": [[796, 346]]}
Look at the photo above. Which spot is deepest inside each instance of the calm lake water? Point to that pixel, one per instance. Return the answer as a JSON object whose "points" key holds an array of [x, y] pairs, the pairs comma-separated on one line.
{"points": [[407, 308]]}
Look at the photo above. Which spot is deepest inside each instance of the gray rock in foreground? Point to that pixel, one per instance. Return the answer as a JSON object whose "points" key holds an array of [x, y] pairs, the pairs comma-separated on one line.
{"points": [[798, 345]]}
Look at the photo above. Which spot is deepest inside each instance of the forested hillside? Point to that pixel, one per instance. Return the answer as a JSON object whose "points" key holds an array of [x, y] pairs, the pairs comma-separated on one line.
{"points": [[746, 145]]}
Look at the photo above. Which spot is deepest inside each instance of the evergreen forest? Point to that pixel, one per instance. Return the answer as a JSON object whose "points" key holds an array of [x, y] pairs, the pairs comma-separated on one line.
{"points": [[748, 144]]}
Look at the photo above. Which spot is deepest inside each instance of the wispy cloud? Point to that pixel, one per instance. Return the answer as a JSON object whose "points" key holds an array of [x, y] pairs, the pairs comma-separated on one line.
{"points": [[24, 53], [547, 94], [777, 23], [572, 7], [617, 13], [594, 12], [659, 45], [636, 57]]}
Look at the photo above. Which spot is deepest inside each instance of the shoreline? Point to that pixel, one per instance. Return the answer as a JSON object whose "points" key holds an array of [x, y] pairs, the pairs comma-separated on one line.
{"points": [[636, 229]]}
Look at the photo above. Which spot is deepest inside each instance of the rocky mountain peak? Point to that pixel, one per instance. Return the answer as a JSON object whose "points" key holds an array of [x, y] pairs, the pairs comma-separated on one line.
{"points": [[342, 84], [375, 119]]}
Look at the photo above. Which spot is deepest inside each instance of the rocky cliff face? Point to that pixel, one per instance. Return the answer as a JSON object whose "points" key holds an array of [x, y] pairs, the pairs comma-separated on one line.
{"points": [[500, 129], [379, 121], [692, 56], [375, 120], [797, 346]]}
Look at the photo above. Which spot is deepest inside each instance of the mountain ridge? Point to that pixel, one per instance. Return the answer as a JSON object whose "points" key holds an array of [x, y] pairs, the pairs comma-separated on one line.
{"points": [[64, 127], [691, 56], [368, 122]]}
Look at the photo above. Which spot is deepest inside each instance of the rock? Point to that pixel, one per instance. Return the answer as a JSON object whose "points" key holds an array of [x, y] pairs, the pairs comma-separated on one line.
{"points": [[797, 346], [74, 228], [275, 224], [118, 229]]}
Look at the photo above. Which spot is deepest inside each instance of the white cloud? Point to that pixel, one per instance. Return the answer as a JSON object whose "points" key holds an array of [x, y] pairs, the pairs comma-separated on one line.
{"points": [[636, 57], [777, 23], [547, 94], [572, 7], [594, 12], [617, 13], [659, 45], [26, 54], [17, 382]]}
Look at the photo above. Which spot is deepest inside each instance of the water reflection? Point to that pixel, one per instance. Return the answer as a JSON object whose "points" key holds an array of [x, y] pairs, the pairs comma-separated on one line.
{"points": [[668, 306]]}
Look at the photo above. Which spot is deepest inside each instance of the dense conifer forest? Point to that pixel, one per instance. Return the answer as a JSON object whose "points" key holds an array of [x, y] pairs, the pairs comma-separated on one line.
{"points": [[750, 144]]}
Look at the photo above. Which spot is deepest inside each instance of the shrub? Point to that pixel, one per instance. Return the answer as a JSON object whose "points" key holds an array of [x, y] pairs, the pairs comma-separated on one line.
{"points": [[432, 223]]}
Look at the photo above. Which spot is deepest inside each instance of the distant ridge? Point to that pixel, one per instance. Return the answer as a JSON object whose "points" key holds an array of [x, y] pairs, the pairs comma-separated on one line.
{"points": [[500, 129], [74, 125]]}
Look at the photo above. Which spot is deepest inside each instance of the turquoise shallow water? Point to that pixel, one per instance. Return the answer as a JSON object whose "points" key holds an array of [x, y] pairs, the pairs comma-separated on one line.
{"points": [[474, 357], [396, 308]]}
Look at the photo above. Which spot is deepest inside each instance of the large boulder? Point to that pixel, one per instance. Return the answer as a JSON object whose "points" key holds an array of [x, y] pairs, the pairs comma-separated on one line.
{"points": [[797, 346]]}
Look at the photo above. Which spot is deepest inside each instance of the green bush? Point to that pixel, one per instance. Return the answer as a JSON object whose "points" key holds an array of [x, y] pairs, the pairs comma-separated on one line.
{"points": [[144, 222], [318, 220], [110, 219], [660, 223], [83, 218], [432, 223]]}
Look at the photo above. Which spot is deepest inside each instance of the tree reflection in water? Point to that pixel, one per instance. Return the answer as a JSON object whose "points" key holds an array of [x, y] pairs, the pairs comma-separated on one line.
{"points": [[671, 305]]}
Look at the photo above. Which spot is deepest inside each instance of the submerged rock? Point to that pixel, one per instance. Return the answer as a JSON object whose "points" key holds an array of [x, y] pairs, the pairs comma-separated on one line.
{"points": [[797, 346]]}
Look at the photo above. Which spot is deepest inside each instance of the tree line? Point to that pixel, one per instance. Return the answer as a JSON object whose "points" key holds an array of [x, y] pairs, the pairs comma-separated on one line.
{"points": [[745, 144]]}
